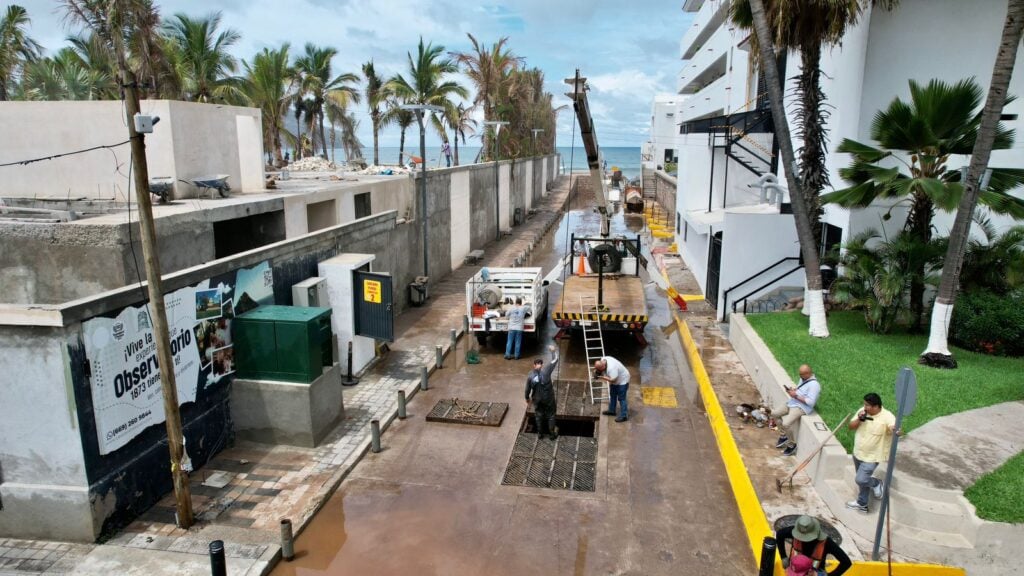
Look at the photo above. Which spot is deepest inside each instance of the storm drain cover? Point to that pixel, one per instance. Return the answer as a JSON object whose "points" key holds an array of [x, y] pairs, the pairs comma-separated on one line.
{"points": [[568, 463], [459, 411]]}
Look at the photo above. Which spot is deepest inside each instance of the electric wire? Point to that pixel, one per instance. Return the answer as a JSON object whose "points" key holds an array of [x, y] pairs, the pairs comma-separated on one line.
{"points": [[64, 154]]}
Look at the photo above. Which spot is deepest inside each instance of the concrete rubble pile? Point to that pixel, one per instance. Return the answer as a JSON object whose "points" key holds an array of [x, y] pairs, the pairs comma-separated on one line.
{"points": [[387, 170], [312, 164]]}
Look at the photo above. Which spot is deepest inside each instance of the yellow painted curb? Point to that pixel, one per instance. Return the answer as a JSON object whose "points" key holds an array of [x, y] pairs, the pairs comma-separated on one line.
{"points": [[755, 521], [693, 297]]}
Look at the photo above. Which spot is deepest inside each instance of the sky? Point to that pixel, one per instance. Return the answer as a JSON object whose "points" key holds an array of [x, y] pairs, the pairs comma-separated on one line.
{"points": [[628, 54]]}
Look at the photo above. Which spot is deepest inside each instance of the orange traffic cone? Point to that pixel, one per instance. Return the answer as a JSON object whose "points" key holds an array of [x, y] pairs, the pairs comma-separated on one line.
{"points": [[582, 268]]}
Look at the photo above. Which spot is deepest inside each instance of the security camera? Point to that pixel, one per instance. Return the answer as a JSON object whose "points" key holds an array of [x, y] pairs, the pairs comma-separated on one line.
{"points": [[144, 123]]}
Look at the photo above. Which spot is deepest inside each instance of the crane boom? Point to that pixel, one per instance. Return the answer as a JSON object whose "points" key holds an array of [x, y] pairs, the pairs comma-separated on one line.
{"points": [[589, 137]]}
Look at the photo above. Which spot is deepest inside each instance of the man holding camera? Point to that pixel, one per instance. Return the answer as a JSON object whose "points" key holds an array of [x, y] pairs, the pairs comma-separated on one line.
{"points": [[801, 401], [874, 427]]}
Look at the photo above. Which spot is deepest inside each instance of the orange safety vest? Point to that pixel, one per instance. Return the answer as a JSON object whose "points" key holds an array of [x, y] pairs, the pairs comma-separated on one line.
{"points": [[817, 555]]}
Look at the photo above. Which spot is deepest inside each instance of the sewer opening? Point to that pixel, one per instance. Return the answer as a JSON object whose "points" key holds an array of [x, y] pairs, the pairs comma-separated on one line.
{"points": [[584, 427]]}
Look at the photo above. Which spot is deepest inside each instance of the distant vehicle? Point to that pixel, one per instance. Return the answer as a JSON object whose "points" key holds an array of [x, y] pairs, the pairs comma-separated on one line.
{"points": [[492, 292]]}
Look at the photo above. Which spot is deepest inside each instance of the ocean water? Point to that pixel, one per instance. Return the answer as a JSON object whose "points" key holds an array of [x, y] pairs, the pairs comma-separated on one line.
{"points": [[626, 158]]}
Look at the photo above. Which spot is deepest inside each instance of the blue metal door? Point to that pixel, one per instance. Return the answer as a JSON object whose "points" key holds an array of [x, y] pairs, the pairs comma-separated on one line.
{"points": [[372, 303]]}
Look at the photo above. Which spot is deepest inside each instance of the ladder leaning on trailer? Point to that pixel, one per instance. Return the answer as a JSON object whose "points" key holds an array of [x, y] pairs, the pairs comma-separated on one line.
{"points": [[593, 341]]}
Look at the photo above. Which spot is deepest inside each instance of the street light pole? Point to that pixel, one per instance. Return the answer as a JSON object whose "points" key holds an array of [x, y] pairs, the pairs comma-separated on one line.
{"points": [[535, 132], [420, 110], [497, 124]]}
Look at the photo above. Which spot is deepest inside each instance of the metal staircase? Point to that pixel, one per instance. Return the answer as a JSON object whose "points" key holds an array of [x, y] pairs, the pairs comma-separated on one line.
{"points": [[593, 341], [746, 138]]}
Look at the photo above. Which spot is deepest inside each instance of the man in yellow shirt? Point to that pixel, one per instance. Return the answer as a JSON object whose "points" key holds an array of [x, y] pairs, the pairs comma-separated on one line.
{"points": [[874, 427]]}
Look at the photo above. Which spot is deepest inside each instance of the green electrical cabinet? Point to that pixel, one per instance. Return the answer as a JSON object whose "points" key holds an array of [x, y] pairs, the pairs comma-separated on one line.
{"points": [[289, 343]]}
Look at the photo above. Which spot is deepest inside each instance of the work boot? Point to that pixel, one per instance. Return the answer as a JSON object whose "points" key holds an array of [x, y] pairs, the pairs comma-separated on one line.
{"points": [[554, 436], [608, 413], [621, 419], [782, 441]]}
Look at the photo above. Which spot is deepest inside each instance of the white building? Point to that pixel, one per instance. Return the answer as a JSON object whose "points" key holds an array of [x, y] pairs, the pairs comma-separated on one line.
{"points": [[732, 236], [663, 145]]}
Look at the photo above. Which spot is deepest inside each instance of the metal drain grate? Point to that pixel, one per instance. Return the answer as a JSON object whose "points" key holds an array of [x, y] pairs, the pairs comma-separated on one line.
{"points": [[456, 411], [569, 463]]}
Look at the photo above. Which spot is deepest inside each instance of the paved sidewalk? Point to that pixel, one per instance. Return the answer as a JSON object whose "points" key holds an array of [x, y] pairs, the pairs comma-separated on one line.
{"points": [[242, 494]]}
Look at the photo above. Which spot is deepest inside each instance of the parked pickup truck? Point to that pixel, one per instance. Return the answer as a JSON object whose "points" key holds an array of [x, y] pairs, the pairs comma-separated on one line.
{"points": [[492, 292]]}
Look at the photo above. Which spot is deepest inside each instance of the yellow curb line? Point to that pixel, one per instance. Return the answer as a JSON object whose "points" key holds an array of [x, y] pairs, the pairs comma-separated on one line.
{"points": [[751, 513]]}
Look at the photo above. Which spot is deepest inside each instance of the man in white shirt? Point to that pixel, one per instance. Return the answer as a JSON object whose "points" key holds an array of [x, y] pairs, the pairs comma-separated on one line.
{"points": [[617, 376], [801, 401]]}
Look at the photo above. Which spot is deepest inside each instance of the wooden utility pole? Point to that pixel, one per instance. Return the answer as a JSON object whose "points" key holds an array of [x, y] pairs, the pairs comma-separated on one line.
{"points": [[182, 492]]}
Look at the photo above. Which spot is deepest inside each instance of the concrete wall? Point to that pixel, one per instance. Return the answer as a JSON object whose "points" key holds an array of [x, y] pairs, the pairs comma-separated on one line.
{"points": [[461, 217], [43, 485], [744, 252], [190, 140]]}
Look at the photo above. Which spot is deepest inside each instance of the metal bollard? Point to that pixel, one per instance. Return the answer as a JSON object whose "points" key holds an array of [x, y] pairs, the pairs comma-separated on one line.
{"points": [[401, 405], [375, 435], [455, 338], [439, 356], [287, 540], [349, 380], [217, 565], [424, 378], [465, 325], [767, 567]]}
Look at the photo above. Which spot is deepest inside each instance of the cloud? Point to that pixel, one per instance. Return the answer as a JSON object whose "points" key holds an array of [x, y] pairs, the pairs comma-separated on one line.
{"points": [[628, 59]]}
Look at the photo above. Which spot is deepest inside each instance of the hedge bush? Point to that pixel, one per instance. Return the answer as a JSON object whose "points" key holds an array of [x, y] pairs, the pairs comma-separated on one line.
{"points": [[989, 323]]}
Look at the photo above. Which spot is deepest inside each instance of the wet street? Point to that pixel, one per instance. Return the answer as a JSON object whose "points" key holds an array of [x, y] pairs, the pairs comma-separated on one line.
{"points": [[433, 499]]}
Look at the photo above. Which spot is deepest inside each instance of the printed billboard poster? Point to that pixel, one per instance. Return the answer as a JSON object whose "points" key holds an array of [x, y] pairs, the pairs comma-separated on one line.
{"points": [[126, 390]]}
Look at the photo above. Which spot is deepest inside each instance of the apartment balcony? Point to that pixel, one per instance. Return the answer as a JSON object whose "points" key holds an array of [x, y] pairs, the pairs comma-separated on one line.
{"points": [[708, 20], [710, 101], [707, 64]]}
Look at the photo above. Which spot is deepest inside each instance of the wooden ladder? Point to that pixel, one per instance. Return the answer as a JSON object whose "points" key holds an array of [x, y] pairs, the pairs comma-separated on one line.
{"points": [[593, 340]]}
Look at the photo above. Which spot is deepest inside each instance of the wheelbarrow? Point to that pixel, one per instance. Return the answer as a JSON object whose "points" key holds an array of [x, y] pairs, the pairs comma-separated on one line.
{"points": [[161, 186], [218, 182]]}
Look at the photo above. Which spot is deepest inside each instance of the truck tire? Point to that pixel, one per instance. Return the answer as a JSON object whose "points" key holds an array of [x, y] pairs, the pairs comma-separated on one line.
{"points": [[481, 339], [604, 257]]}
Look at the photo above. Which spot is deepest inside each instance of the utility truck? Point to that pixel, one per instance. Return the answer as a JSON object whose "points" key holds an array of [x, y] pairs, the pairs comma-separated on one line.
{"points": [[492, 292]]}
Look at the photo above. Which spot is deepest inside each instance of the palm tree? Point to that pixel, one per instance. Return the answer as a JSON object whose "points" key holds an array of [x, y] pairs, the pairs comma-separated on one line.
{"points": [[337, 110], [266, 87], [65, 76], [146, 46], [937, 353], [996, 262], [395, 114], [801, 213], [488, 70], [460, 120], [376, 100], [314, 68], [809, 26], [427, 83], [16, 47], [202, 60], [940, 120]]}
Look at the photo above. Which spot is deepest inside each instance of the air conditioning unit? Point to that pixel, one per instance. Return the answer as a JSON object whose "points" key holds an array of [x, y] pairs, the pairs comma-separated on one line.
{"points": [[311, 292]]}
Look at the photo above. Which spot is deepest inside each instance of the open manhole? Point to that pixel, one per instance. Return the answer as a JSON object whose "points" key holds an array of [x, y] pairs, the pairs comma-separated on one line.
{"points": [[568, 463], [459, 411]]}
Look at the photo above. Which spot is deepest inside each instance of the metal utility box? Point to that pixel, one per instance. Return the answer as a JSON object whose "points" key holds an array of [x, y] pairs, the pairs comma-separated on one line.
{"points": [[311, 292], [288, 343]]}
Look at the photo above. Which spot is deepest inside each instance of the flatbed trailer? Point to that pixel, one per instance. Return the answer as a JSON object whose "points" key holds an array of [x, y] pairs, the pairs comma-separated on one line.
{"points": [[623, 301]]}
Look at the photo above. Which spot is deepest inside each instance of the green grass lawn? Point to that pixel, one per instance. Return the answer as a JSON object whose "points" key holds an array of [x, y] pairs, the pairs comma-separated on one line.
{"points": [[999, 495], [853, 362]]}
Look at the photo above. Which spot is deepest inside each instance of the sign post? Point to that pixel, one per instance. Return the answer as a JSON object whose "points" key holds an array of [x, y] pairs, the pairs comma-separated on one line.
{"points": [[906, 399]]}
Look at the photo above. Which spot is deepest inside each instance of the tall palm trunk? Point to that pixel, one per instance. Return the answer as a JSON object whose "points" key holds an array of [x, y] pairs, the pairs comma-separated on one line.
{"points": [[375, 120], [937, 353], [332, 144], [401, 148], [808, 248], [812, 132], [919, 224], [455, 139], [298, 133], [323, 134]]}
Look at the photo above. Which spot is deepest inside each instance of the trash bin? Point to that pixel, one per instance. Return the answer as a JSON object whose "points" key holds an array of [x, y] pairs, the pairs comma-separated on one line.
{"points": [[418, 291]]}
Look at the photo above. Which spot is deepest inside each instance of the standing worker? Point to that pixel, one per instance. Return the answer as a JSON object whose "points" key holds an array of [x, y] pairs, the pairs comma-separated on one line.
{"points": [[801, 401], [617, 376], [540, 389], [516, 321], [872, 439]]}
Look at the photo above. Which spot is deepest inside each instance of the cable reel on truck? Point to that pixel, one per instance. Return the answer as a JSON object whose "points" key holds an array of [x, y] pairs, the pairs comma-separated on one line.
{"points": [[489, 295], [605, 257]]}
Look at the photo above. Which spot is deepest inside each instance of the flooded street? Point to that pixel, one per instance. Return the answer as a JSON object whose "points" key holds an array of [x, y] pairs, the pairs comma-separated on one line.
{"points": [[433, 499]]}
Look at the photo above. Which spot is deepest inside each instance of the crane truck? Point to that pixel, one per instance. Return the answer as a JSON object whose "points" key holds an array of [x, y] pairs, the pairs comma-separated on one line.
{"points": [[604, 282]]}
